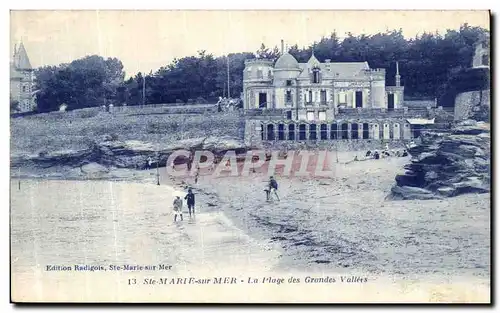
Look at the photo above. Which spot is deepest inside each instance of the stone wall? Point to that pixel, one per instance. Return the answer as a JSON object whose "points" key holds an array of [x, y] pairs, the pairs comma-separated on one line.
{"points": [[337, 145], [467, 103]]}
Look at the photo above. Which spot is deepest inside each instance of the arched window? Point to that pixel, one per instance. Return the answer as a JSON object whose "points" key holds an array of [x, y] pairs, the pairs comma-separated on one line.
{"points": [[281, 132], [291, 132], [333, 131], [366, 132], [312, 132], [344, 128], [324, 134], [354, 131], [302, 132], [270, 132]]}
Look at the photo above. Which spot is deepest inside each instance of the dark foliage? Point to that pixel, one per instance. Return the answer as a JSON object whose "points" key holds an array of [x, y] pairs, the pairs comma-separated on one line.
{"points": [[427, 65]]}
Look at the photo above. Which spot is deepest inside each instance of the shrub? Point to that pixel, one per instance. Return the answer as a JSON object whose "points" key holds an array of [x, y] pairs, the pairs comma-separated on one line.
{"points": [[201, 100]]}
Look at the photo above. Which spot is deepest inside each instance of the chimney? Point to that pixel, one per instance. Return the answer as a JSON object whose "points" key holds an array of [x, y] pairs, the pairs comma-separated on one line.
{"points": [[282, 46], [327, 61], [398, 77]]}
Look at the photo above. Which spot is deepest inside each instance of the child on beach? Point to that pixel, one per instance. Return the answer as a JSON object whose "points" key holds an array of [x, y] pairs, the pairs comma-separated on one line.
{"points": [[177, 208], [190, 200]]}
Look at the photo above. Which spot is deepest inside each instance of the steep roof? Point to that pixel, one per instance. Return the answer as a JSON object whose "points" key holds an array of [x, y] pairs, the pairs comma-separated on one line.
{"points": [[22, 60], [349, 69], [313, 60], [337, 69]]}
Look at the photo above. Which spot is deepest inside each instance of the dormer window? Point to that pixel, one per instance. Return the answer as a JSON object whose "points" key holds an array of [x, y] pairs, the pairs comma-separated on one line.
{"points": [[288, 83], [315, 75]]}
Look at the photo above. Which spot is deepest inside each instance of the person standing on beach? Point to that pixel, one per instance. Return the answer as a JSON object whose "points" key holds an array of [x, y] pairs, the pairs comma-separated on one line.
{"points": [[197, 174], [177, 208], [273, 186], [190, 200]]}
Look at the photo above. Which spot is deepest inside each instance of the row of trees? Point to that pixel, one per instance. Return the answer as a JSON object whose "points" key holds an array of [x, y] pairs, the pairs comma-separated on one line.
{"points": [[425, 62], [87, 82]]}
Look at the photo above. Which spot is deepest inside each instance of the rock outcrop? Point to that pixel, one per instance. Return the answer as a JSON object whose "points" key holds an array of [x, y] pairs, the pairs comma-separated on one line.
{"points": [[447, 165], [124, 154]]}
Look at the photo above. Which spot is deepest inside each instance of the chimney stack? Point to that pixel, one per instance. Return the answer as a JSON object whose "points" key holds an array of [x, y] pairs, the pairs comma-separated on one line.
{"points": [[398, 77], [282, 47]]}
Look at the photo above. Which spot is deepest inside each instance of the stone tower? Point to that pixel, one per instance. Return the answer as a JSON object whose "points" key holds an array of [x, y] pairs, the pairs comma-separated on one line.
{"points": [[22, 80]]}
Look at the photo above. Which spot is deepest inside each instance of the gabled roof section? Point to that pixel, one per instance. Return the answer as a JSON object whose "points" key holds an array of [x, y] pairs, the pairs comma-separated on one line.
{"points": [[22, 60], [313, 61]]}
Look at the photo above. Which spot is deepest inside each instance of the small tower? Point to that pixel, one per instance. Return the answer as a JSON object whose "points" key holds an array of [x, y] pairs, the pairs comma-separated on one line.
{"points": [[21, 79], [398, 77]]}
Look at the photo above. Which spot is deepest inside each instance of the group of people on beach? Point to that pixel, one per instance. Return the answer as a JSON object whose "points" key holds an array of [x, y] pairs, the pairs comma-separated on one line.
{"points": [[178, 204], [385, 153], [271, 189]]}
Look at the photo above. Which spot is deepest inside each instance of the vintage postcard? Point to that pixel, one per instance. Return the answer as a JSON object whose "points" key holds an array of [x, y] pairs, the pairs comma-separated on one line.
{"points": [[250, 156]]}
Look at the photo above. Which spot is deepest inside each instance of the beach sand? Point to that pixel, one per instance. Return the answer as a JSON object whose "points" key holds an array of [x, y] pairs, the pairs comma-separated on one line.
{"points": [[417, 251]]}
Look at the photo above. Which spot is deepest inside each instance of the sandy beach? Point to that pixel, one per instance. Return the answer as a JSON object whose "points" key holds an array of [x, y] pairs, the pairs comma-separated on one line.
{"points": [[423, 250]]}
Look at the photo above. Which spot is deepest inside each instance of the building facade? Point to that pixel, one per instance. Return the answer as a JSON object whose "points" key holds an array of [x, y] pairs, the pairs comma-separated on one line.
{"points": [[312, 91], [315, 101], [22, 80]]}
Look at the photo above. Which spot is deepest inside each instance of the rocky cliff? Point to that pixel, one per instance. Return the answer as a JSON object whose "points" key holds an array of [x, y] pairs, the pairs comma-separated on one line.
{"points": [[106, 153], [447, 165]]}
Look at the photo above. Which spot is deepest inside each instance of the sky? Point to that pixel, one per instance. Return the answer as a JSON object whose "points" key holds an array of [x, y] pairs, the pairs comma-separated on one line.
{"points": [[146, 40]]}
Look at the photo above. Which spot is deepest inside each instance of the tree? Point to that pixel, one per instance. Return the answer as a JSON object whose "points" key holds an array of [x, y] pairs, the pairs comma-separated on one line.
{"points": [[265, 53], [86, 82]]}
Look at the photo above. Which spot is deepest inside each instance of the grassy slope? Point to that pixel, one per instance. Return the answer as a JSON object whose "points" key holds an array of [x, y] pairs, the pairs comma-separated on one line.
{"points": [[77, 129]]}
